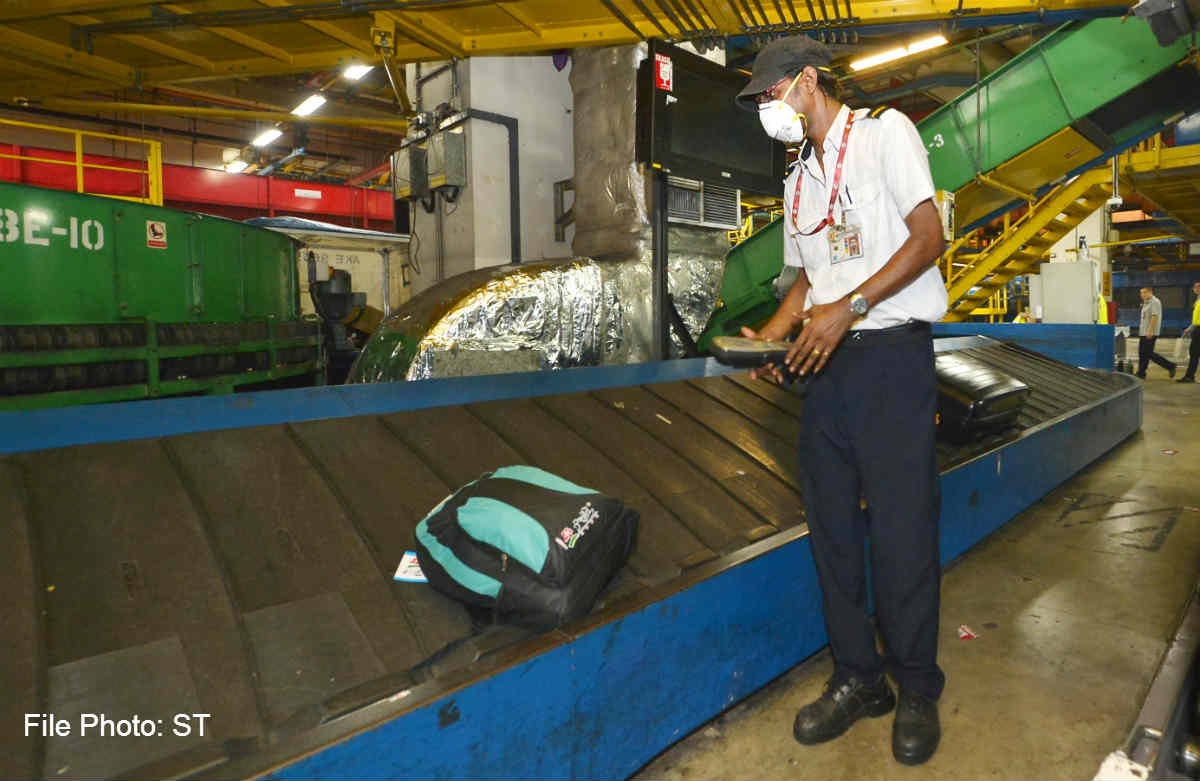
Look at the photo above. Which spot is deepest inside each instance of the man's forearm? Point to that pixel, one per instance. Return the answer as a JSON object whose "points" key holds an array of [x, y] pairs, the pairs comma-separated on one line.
{"points": [[787, 317], [1153, 323]]}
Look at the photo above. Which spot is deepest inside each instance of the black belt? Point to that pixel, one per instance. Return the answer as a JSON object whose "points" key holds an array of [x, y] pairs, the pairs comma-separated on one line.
{"points": [[871, 337]]}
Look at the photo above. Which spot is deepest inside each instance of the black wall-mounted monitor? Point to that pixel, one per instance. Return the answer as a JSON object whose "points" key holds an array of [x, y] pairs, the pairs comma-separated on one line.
{"points": [[688, 123]]}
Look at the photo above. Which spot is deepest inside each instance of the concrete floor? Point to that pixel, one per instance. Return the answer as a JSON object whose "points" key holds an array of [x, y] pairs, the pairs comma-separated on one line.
{"points": [[1073, 602]]}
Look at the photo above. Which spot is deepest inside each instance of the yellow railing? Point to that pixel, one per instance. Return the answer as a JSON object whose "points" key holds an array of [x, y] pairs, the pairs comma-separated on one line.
{"points": [[747, 230], [152, 172]]}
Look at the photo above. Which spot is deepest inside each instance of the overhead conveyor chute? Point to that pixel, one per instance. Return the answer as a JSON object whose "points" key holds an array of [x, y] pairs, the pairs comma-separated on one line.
{"points": [[1060, 104], [1079, 94]]}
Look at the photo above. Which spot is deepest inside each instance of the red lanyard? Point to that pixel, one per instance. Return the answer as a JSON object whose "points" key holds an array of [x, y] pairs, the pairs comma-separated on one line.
{"points": [[837, 184]]}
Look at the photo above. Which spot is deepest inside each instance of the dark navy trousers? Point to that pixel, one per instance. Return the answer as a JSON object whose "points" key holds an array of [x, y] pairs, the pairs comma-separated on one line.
{"points": [[869, 425]]}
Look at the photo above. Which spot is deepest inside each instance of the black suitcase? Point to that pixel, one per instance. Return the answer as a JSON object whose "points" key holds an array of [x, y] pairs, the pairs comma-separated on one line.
{"points": [[974, 399]]}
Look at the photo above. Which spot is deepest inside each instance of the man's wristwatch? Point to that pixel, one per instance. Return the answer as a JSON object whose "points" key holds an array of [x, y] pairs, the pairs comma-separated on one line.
{"points": [[859, 305]]}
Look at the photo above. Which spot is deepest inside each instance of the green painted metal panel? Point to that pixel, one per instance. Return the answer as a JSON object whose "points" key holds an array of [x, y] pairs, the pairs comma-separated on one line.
{"points": [[1069, 74], [88, 259]]}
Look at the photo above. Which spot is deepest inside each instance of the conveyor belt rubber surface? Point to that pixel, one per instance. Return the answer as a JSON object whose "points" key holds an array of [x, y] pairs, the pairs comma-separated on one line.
{"points": [[247, 573]]}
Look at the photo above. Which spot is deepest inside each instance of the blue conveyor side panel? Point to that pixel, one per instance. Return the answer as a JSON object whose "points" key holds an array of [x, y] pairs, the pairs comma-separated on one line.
{"points": [[45, 429], [1088, 346]]}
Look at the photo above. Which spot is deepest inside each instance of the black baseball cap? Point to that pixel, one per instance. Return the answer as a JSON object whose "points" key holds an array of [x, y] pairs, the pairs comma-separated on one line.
{"points": [[783, 57]]}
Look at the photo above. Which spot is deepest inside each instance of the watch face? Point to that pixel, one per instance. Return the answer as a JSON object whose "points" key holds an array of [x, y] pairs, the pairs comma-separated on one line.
{"points": [[858, 305]]}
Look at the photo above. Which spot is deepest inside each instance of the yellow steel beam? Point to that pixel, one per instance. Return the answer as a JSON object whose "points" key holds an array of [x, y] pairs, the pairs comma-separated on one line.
{"points": [[1147, 240], [330, 29], [440, 37], [229, 34], [12, 10], [253, 66], [396, 23], [1008, 188], [722, 13], [182, 74], [35, 89], [393, 125], [40, 49], [149, 44], [29, 69], [593, 34], [564, 32], [441, 29], [1162, 161], [1167, 176], [520, 17]]}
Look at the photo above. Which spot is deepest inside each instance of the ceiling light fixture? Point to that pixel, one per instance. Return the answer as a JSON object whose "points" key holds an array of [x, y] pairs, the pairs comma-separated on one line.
{"points": [[356, 72], [266, 137], [925, 44], [310, 104], [236, 166]]}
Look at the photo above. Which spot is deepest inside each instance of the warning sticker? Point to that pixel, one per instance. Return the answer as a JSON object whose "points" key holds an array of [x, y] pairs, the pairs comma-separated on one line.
{"points": [[664, 72], [156, 234]]}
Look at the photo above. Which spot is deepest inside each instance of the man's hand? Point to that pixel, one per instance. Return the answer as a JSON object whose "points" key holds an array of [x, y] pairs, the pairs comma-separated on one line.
{"points": [[820, 337], [768, 334]]}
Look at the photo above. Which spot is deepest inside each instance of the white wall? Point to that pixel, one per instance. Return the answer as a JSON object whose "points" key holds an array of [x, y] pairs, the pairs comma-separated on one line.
{"points": [[539, 97], [1095, 228], [476, 228]]}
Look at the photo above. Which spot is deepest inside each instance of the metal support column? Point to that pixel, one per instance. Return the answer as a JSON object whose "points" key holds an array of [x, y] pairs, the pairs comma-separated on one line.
{"points": [[660, 338]]}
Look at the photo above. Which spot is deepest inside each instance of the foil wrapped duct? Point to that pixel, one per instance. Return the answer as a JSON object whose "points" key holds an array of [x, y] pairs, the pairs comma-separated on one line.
{"points": [[546, 315]]}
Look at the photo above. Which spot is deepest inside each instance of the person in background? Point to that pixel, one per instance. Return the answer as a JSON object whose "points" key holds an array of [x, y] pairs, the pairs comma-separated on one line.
{"points": [[1193, 330], [1148, 331], [1023, 317]]}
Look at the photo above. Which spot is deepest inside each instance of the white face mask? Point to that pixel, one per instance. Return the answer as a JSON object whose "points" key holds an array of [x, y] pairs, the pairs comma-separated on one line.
{"points": [[781, 121]]}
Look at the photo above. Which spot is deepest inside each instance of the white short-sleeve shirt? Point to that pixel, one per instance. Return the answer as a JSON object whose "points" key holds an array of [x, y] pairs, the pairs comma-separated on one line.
{"points": [[885, 175]]}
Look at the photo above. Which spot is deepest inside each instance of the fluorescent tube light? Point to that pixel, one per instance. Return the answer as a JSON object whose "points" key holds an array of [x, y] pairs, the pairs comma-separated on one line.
{"points": [[310, 104], [356, 72], [266, 137], [236, 167], [922, 45]]}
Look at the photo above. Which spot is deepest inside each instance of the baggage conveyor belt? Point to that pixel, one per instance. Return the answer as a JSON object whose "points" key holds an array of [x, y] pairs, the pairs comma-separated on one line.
{"points": [[246, 573]]}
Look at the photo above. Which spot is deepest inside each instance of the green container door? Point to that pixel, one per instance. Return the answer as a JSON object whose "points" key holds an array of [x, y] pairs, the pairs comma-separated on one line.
{"points": [[151, 258], [87, 259]]}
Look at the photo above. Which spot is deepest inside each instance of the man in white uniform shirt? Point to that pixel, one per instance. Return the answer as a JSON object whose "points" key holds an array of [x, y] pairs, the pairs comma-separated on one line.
{"points": [[860, 225]]}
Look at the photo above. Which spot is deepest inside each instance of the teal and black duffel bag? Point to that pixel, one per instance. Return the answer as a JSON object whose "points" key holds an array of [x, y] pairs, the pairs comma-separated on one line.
{"points": [[531, 547]]}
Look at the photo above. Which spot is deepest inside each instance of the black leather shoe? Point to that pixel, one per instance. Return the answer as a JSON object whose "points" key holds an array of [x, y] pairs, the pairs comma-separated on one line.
{"points": [[1186, 378], [833, 712], [916, 732]]}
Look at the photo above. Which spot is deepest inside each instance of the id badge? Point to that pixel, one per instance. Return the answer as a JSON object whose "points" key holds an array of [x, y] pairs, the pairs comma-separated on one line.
{"points": [[845, 242]]}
